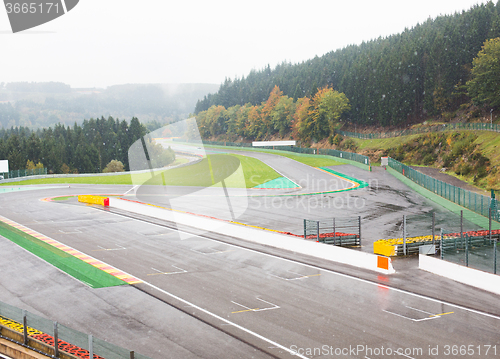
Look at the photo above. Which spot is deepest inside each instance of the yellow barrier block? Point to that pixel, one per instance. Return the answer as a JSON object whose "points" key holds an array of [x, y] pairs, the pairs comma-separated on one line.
{"points": [[103, 201], [384, 248], [387, 247]]}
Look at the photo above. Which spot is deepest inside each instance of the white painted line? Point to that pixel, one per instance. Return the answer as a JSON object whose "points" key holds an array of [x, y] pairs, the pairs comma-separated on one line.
{"points": [[247, 309], [180, 270], [299, 276], [274, 306], [420, 310], [241, 305], [110, 249], [420, 296], [431, 315], [132, 189], [74, 231], [413, 320], [209, 253], [282, 175], [261, 337], [303, 276], [280, 277]]}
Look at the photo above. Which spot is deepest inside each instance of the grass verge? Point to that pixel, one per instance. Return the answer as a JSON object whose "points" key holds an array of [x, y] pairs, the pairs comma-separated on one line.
{"points": [[214, 169], [307, 159], [204, 173], [254, 172]]}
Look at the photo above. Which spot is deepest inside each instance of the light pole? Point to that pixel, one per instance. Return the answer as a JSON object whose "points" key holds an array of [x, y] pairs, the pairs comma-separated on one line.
{"points": [[491, 118]]}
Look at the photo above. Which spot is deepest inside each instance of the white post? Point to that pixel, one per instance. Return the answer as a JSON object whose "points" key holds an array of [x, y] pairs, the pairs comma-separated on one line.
{"points": [[91, 347]]}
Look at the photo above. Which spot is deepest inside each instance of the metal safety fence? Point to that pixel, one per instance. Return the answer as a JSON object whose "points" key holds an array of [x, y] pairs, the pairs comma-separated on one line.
{"points": [[365, 160], [24, 173], [55, 339], [336, 231], [478, 250], [473, 201], [420, 130], [413, 232]]}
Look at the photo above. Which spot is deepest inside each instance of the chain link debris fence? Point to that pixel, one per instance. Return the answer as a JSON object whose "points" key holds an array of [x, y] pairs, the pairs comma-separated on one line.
{"points": [[51, 338], [472, 201], [416, 131], [336, 231]]}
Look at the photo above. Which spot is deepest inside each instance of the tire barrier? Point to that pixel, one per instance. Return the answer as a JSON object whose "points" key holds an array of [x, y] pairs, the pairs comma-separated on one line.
{"points": [[47, 339], [326, 231], [66, 347], [336, 238], [100, 200]]}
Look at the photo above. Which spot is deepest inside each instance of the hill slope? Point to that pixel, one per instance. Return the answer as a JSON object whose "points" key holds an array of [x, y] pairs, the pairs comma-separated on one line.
{"points": [[388, 81], [471, 156]]}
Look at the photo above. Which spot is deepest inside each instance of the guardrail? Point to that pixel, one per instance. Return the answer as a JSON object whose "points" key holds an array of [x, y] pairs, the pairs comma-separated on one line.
{"points": [[24, 173]]}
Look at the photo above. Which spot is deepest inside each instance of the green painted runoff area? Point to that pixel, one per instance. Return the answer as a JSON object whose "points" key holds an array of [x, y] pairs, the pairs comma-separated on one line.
{"points": [[278, 183], [362, 184], [73, 266], [475, 218]]}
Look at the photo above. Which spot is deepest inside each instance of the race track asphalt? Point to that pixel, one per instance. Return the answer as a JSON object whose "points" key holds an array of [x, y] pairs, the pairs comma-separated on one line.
{"points": [[205, 296]]}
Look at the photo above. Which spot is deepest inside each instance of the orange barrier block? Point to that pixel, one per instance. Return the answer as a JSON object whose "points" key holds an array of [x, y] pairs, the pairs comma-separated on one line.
{"points": [[383, 263]]}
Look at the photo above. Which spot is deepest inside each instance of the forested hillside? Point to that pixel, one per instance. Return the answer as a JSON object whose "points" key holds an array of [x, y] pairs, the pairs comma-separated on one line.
{"points": [[408, 77], [71, 149]]}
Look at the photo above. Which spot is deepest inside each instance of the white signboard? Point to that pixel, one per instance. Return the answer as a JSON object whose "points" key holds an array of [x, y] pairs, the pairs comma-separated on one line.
{"points": [[4, 166], [273, 143]]}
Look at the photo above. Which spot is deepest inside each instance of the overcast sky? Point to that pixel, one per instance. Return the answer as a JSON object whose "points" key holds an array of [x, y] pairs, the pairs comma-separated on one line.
{"points": [[106, 42]]}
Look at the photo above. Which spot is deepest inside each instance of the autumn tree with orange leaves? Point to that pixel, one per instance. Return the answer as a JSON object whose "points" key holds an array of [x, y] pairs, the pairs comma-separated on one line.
{"points": [[305, 119]]}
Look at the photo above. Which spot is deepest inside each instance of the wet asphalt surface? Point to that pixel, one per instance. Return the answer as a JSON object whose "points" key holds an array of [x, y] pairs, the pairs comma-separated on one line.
{"points": [[213, 297]]}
